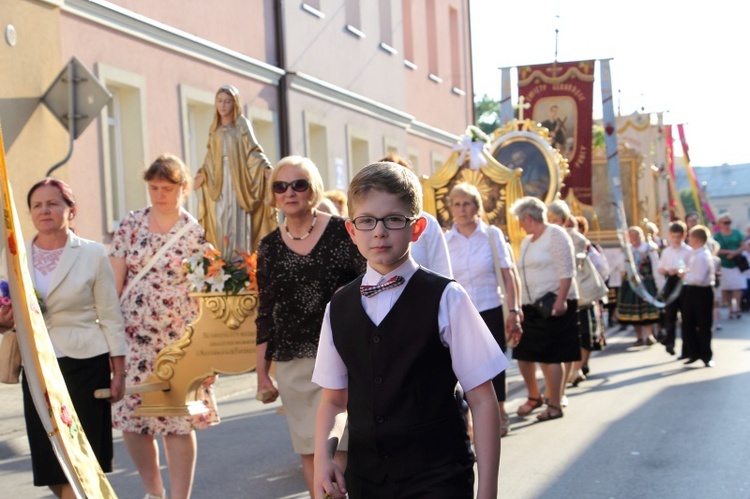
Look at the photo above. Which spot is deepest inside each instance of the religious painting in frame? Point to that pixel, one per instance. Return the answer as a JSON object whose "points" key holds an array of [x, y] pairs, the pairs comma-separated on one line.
{"points": [[529, 151], [630, 165]]}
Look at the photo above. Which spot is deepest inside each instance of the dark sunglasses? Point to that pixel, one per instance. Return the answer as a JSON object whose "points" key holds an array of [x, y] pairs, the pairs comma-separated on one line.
{"points": [[299, 185], [725, 222]]}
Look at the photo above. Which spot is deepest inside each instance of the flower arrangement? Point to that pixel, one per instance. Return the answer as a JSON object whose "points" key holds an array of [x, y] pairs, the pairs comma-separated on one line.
{"points": [[5, 300], [4, 294], [210, 273]]}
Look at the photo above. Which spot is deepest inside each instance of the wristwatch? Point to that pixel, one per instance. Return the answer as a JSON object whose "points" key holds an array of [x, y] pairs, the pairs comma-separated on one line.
{"points": [[515, 310]]}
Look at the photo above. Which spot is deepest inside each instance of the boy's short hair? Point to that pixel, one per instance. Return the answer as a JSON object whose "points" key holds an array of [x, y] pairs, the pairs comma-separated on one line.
{"points": [[700, 232], [386, 177], [678, 227]]}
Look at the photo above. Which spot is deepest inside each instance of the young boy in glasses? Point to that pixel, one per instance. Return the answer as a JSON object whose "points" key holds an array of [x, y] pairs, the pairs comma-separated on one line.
{"points": [[392, 346]]}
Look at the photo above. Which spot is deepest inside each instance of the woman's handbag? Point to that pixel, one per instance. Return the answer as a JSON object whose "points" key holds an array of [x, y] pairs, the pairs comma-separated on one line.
{"points": [[543, 305], [10, 358], [591, 287], [741, 262]]}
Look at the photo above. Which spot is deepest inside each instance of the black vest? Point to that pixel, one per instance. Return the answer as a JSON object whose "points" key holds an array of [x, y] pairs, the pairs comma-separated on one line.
{"points": [[403, 416]]}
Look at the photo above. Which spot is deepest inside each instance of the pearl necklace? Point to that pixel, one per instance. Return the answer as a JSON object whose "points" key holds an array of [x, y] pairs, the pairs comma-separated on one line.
{"points": [[309, 231]]}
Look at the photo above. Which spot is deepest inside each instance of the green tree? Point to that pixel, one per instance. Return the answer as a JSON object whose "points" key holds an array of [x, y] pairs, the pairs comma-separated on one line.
{"points": [[686, 196], [487, 112]]}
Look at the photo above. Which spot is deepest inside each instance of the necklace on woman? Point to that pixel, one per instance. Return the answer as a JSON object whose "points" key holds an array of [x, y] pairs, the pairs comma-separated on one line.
{"points": [[309, 231]]}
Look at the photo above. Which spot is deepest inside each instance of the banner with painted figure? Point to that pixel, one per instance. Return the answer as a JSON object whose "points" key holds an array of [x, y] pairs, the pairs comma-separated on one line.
{"points": [[636, 131], [561, 95], [41, 370]]}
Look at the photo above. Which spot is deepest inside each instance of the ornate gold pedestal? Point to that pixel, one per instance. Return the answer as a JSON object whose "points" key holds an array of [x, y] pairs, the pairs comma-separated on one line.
{"points": [[220, 341]]}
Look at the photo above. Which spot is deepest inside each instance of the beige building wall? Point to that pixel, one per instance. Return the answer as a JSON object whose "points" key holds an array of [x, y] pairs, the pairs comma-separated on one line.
{"points": [[29, 62]]}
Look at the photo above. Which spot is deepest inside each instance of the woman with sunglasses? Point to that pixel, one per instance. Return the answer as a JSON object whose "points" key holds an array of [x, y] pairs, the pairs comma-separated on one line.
{"points": [[232, 180], [300, 265]]}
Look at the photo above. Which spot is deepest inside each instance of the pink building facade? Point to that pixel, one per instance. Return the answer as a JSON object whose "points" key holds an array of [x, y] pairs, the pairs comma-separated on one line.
{"points": [[341, 81]]}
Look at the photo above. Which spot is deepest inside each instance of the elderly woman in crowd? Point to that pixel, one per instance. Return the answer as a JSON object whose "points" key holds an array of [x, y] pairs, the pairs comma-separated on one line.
{"points": [[473, 247], [733, 283], [559, 214], [76, 284], [300, 265], [547, 269], [631, 308]]}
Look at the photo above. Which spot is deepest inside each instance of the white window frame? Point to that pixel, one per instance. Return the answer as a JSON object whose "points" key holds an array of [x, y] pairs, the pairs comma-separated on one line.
{"points": [[115, 175]]}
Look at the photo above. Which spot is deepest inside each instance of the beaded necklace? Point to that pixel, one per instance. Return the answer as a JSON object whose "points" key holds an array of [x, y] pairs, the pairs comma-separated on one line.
{"points": [[309, 231]]}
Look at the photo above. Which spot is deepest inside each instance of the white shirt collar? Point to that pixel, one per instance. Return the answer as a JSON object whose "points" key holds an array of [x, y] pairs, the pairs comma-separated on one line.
{"points": [[481, 228], [405, 270]]}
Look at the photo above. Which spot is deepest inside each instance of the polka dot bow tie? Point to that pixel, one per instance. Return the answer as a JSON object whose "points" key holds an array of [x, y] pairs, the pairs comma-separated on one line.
{"points": [[370, 291]]}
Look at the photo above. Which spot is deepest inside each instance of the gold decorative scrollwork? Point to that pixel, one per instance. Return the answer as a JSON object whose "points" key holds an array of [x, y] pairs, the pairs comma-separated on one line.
{"points": [[231, 309], [169, 355]]}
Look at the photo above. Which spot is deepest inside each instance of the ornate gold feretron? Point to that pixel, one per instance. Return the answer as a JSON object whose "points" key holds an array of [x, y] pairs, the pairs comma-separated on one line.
{"points": [[220, 341]]}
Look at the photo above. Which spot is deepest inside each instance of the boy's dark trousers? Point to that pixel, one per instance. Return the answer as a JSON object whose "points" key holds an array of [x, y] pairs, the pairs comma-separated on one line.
{"points": [[696, 303], [670, 325]]}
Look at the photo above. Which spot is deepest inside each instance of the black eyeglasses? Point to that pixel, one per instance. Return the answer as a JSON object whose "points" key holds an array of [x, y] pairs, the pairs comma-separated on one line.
{"points": [[299, 185], [391, 222]]}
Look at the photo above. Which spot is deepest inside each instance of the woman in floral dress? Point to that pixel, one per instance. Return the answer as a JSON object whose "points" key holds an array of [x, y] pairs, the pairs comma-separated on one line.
{"points": [[156, 309]]}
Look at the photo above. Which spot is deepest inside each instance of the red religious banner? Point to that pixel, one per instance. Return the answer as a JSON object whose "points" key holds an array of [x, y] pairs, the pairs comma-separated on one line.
{"points": [[560, 95]]}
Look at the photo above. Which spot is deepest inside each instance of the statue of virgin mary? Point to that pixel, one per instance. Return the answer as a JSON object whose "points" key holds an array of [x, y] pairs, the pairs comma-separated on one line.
{"points": [[232, 181]]}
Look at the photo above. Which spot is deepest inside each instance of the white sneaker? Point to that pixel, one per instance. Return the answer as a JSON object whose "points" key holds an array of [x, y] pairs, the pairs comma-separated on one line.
{"points": [[152, 496]]}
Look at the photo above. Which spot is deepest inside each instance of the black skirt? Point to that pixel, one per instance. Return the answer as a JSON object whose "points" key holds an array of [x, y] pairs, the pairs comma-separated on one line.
{"points": [[551, 340], [82, 377], [494, 319]]}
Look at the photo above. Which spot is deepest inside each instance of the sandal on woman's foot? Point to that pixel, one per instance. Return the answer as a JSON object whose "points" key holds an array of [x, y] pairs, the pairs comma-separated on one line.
{"points": [[638, 343], [528, 406], [551, 412]]}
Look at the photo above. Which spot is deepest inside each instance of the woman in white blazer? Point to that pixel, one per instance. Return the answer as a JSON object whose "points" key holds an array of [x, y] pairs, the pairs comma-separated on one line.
{"points": [[82, 313]]}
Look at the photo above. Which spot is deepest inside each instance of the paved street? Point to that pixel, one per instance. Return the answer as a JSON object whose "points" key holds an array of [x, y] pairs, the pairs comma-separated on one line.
{"points": [[643, 425]]}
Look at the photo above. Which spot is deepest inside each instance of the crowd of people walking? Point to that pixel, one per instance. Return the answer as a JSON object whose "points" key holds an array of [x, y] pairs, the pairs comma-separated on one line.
{"points": [[332, 343]]}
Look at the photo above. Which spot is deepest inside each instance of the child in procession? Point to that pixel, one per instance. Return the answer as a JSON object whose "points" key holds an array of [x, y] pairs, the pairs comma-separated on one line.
{"points": [[393, 344], [697, 297]]}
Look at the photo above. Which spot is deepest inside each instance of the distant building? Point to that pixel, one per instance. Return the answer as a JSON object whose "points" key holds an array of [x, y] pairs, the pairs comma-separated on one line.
{"points": [[727, 186], [341, 81]]}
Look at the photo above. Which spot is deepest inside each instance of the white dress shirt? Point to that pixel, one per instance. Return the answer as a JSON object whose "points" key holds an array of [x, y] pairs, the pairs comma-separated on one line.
{"points": [[473, 266], [430, 250], [672, 258], [475, 354], [700, 268]]}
